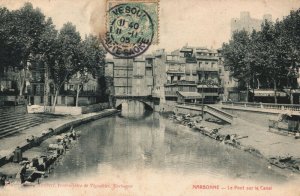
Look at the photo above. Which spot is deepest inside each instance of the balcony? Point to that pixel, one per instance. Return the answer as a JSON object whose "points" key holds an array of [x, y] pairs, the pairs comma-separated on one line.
{"points": [[207, 69], [206, 57], [170, 94], [178, 71], [190, 60], [175, 59]]}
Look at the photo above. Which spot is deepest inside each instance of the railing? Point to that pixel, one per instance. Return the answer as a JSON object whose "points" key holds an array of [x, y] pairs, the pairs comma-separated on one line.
{"points": [[211, 69], [289, 107], [170, 93]]}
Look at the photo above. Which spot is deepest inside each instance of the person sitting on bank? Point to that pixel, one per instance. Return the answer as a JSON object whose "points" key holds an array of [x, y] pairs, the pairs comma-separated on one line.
{"points": [[73, 134], [23, 172], [2, 180]]}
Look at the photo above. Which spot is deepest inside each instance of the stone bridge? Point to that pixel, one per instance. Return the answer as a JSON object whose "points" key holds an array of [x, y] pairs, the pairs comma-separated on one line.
{"points": [[148, 101]]}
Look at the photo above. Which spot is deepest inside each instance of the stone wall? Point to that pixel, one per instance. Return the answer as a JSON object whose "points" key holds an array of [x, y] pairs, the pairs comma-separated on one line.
{"points": [[14, 109], [71, 110]]}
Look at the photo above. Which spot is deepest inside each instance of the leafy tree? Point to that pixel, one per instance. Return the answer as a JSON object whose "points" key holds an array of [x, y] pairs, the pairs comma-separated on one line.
{"points": [[91, 63], [237, 57], [47, 52], [269, 57], [27, 25], [8, 53], [66, 57]]}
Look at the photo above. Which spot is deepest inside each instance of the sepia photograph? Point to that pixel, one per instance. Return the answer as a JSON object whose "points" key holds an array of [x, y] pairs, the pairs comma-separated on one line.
{"points": [[149, 97]]}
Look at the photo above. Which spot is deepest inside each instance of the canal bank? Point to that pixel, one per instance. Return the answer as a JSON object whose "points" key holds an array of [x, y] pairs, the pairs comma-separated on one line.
{"points": [[251, 137], [143, 154], [43, 132]]}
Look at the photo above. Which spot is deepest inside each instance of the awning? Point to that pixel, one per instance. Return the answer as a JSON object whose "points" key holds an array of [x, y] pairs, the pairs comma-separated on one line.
{"points": [[268, 93], [189, 95]]}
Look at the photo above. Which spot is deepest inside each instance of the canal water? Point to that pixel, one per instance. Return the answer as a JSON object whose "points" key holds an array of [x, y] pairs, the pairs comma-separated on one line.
{"points": [[119, 144]]}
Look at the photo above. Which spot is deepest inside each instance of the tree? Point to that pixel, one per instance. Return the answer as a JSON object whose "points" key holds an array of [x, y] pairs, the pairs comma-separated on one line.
{"points": [[290, 36], [27, 25], [8, 53], [269, 57], [92, 61], [47, 52], [237, 57], [67, 57]]}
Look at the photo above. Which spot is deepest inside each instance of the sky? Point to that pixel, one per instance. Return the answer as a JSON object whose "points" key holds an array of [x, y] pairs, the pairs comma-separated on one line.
{"points": [[182, 22]]}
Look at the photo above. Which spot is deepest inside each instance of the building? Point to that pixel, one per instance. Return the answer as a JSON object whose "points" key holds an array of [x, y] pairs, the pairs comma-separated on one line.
{"points": [[171, 89], [159, 74], [36, 92], [245, 22], [201, 66], [129, 73], [188, 97]]}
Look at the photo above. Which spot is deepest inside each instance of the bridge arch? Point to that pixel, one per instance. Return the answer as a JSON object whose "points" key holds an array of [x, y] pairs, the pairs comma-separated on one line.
{"points": [[148, 106]]}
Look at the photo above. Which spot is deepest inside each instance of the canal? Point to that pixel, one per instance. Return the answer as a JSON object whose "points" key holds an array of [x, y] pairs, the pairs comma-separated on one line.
{"points": [[152, 143]]}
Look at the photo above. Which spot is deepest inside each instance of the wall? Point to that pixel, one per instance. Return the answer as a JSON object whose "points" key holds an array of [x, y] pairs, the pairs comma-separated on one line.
{"points": [[14, 109], [94, 107], [69, 109]]}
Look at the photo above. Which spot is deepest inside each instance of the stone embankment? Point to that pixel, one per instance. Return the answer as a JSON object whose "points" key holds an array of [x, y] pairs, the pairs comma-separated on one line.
{"points": [[278, 150], [44, 132]]}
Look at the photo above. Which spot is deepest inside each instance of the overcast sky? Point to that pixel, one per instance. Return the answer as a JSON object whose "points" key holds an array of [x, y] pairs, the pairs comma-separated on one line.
{"points": [[192, 22]]}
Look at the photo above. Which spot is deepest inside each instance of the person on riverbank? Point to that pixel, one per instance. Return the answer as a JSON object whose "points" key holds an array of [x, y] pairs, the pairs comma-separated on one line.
{"points": [[73, 134], [2, 180], [23, 172]]}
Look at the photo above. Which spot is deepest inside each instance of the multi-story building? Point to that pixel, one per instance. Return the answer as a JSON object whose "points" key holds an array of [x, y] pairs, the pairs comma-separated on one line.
{"points": [[172, 89], [137, 73], [245, 22], [169, 75], [37, 91], [202, 67]]}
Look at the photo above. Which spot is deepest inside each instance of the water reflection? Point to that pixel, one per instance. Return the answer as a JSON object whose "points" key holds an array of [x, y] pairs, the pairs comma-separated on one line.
{"points": [[157, 144], [133, 109]]}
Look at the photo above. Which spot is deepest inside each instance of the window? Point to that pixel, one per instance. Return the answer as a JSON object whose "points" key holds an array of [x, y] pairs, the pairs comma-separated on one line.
{"points": [[42, 99], [71, 87], [206, 76]]}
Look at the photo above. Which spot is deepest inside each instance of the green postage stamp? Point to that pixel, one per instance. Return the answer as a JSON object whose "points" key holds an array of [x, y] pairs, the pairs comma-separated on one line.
{"points": [[131, 27]]}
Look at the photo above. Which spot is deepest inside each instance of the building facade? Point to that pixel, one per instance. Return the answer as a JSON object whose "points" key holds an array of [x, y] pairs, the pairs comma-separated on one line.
{"points": [[133, 77]]}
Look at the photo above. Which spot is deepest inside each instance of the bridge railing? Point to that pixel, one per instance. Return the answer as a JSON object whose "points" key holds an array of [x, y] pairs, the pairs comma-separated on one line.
{"points": [[272, 106]]}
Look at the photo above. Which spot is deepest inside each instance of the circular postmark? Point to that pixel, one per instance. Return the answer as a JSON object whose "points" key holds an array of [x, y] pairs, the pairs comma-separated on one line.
{"points": [[129, 31]]}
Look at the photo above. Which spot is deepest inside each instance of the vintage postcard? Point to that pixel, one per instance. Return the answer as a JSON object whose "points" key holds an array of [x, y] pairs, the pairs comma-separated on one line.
{"points": [[149, 97]]}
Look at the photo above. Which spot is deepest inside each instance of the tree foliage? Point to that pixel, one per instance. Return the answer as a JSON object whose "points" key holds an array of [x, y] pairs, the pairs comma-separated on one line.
{"points": [[269, 58], [27, 36]]}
